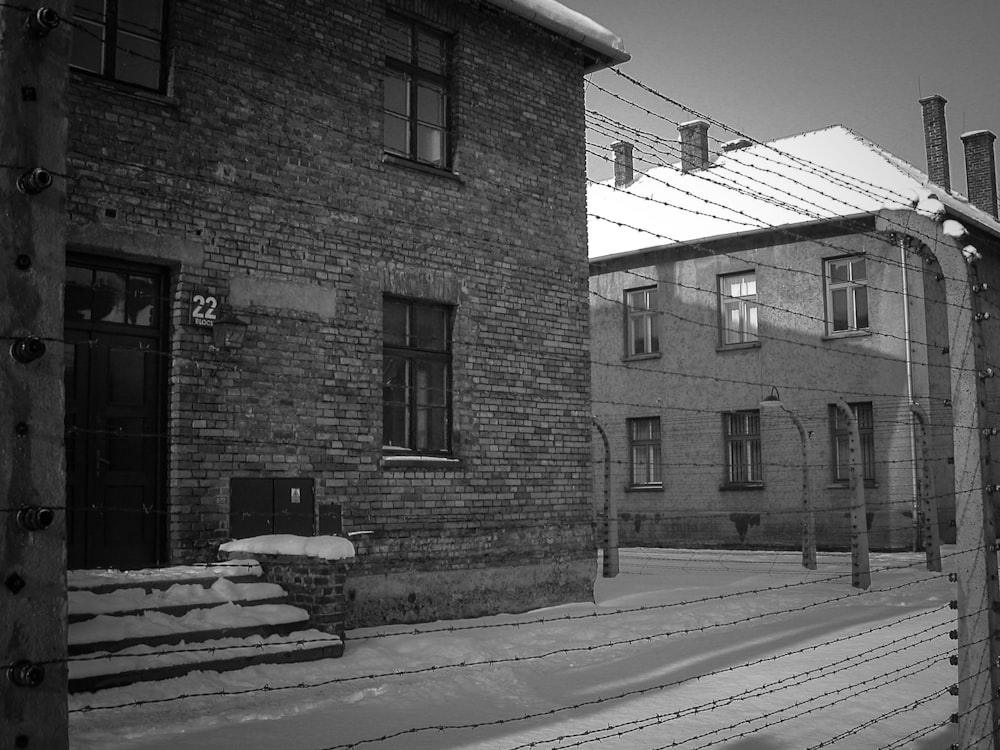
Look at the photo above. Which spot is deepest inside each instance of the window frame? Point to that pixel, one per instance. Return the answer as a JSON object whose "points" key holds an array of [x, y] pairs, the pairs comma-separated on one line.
{"points": [[751, 463], [652, 446], [414, 75], [864, 413], [650, 322], [416, 440], [744, 337], [110, 48], [850, 287]]}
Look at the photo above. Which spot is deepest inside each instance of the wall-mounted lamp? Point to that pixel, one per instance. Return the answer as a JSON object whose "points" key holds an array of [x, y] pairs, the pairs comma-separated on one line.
{"points": [[229, 332], [772, 399]]}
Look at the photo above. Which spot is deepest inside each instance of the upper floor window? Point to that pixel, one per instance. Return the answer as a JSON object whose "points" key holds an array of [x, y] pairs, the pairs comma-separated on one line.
{"points": [[644, 451], [738, 308], [865, 416], [416, 92], [847, 294], [742, 439], [416, 376], [640, 310], [121, 40]]}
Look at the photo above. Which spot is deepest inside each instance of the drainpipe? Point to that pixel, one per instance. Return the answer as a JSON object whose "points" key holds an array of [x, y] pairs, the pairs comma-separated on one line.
{"points": [[914, 478]]}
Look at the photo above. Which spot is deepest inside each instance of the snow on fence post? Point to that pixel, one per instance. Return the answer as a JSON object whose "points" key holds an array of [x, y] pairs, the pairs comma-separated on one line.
{"points": [[861, 575]]}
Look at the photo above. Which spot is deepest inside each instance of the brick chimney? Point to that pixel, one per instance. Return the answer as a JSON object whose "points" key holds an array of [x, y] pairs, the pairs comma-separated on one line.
{"points": [[624, 172], [981, 170], [936, 140], [694, 145]]}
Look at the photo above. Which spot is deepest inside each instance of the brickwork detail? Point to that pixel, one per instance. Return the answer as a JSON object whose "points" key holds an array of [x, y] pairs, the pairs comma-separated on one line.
{"points": [[266, 155], [311, 583]]}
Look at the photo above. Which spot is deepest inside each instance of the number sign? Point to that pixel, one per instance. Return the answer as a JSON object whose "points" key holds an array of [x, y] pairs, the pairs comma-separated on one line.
{"points": [[203, 308]]}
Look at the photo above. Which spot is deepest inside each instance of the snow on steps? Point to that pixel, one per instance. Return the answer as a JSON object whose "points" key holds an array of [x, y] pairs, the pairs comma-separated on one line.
{"points": [[134, 626]]}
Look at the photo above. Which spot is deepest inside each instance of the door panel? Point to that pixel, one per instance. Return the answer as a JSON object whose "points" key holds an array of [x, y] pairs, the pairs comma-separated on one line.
{"points": [[114, 417]]}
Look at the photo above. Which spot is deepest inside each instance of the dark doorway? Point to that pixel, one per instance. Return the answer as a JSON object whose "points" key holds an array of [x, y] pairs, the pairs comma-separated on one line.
{"points": [[115, 358]]}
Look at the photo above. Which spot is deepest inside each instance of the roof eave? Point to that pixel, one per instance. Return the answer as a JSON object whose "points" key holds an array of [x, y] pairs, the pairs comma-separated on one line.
{"points": [[605, 49]]}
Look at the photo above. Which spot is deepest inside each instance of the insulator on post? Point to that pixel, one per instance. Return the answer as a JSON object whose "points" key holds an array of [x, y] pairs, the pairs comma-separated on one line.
{"points": [[987, 373], [953, 690], [42, 21], [34, 181], [989, 431], [24, 673], [982, 316], [35, 518], [27, 349]]}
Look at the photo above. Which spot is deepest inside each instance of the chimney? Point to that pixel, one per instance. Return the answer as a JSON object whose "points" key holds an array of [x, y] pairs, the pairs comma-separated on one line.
{"points": [[981, 170], [694, 145], [624, 173], [936, 140]]}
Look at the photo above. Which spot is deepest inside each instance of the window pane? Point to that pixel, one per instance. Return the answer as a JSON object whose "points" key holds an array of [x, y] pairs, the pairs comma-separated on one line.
{"points": [[839, 272], [858, 272], [432, 429], [752, 321], [430, 144], [88, 47], [861, 306], [430, 52], [839, 300], [141, 16], [109, 297], [397, 135], [430, 384], [430, 105], [394, 317], [397, 97], [430, 328], [639, 300], [138, 61], [78, 294], [397, 39], [394, 425], [140, 301]]}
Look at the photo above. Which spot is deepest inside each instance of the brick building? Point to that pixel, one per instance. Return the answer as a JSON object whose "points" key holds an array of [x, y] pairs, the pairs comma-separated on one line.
{"points": [[804, 269], [308, 266]]}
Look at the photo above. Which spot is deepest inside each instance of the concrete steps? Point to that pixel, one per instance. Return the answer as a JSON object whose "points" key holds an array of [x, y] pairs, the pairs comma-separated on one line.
{"points": [[134, 626]]}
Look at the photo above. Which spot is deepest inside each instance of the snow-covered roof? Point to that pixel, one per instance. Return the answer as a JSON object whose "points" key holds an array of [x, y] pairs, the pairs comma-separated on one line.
{"points": [[823, 174], [554, 16]]}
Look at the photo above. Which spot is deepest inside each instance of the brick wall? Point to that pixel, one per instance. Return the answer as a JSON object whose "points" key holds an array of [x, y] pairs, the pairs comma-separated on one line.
{"points": [[263, 162], [310, 583]]}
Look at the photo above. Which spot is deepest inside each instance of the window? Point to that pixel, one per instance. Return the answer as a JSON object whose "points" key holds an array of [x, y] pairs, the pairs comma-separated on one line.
{"points": [[644, 449], [847, 294], [738, 308], [864, 414], [742, 438], [121, 40], [416, 383], [640, 311], [416, 92]]}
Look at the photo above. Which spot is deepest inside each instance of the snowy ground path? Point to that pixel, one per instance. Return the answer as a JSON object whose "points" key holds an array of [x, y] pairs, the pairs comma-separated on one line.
{"points": [[744, 651]]}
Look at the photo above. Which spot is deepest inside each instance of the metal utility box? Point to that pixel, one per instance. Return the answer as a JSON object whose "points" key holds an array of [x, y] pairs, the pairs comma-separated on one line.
{"points": [[271, 506]]}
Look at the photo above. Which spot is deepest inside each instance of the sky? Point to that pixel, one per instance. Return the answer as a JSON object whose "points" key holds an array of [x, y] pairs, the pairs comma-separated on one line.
{"points": [[772, 68], [741, 650]]}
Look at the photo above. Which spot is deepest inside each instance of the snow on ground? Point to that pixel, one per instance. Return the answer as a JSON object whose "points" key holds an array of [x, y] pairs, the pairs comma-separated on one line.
{"points": [[684, 649]]}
